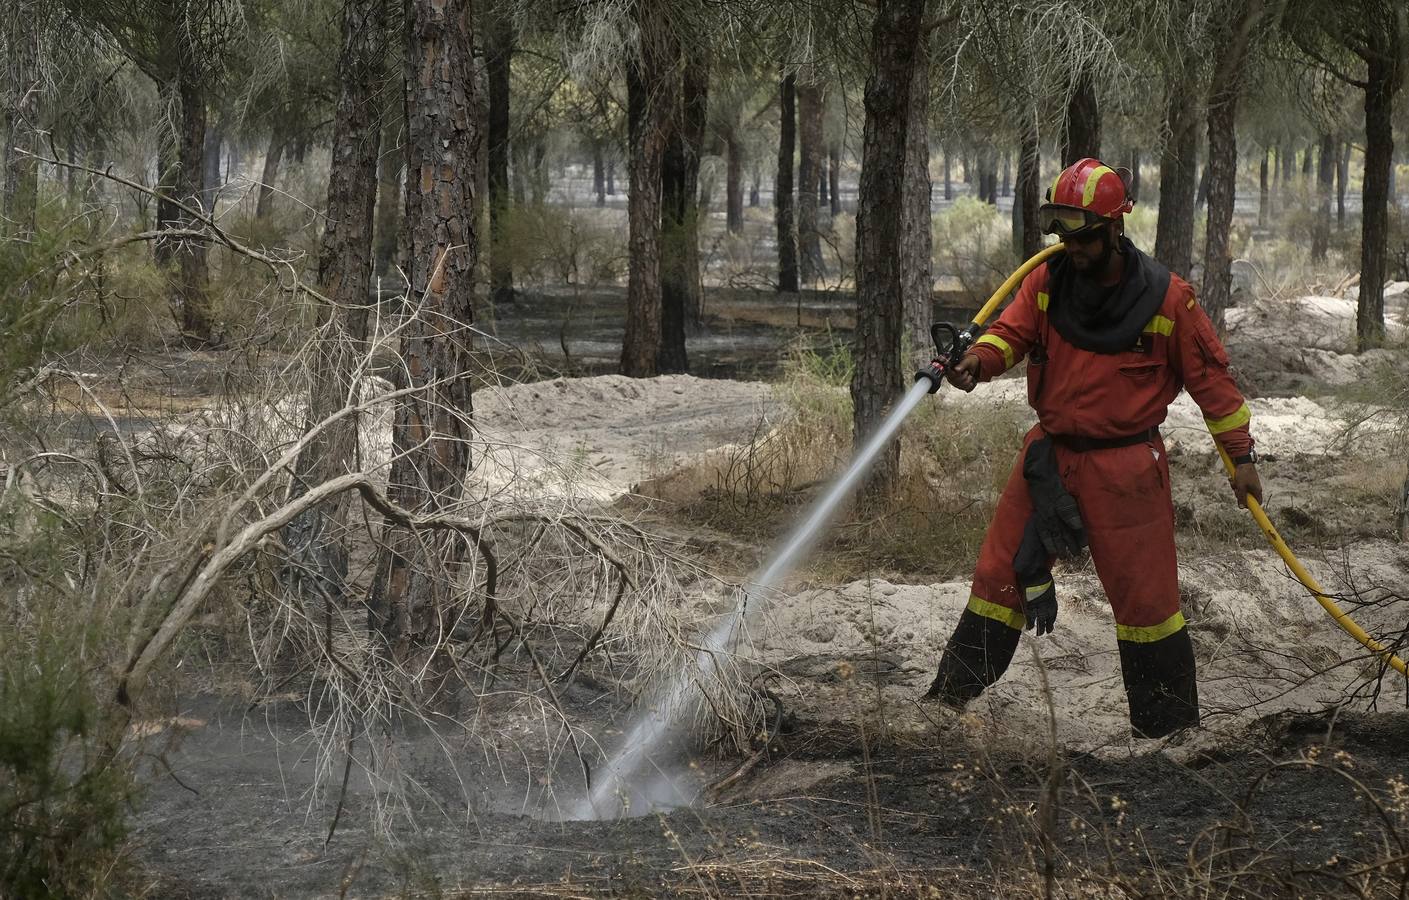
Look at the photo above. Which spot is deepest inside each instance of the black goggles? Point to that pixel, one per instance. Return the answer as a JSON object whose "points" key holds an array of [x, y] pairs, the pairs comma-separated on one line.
{"points": [[1066, 221]]}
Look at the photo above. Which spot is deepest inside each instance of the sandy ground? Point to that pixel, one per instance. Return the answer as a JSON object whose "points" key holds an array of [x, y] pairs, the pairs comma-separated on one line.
{"points": [[852, 660]]}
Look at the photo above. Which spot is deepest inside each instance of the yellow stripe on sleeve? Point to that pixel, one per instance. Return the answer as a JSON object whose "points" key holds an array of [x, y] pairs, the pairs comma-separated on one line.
{"points": [[1001, 344], [1160, 325], [1043, 300], [1240, 416]]}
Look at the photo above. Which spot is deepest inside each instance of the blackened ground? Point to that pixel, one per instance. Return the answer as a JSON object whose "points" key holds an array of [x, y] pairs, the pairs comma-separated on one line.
{"points": [[1295, 806]]}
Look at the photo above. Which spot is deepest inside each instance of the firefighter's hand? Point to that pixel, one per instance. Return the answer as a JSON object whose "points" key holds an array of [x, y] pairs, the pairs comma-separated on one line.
{"points": [[1246, 483], [964, 375]]}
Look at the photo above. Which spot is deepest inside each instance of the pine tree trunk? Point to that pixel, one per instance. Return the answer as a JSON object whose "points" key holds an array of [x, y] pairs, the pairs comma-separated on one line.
{"points": [[411, 603], [211, 182], [269, 175], [948, 178], [1342, 176], [648, 114], [783, 216], [1027, 228], [881, 213], [834, 176], [754, 199], [1264, 199], [681, 294], [823, 186], [916, 229], [809, 114], [611, 177], [189, 287], [19, 203], [599, 172], [316, 539], [1325, 184], [1081, 132], [1288, 167], [1384, 74], [734, 183], [1222, 169], [540, 171], [1174, 229], [498, 57], [1006, 189]]}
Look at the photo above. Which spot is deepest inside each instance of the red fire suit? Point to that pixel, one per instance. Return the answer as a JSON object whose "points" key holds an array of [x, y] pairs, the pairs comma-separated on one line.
{"points": [[1090, 398]]}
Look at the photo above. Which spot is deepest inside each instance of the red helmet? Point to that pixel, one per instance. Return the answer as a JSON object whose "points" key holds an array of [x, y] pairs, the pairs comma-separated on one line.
{"points": [[1086, 194]]}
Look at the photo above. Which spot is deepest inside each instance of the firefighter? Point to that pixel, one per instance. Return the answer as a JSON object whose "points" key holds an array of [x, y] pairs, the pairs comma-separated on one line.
{"points": [[1110, 337]]}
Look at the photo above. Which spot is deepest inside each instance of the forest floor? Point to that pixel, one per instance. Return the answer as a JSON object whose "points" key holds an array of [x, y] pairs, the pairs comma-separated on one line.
{"points": [[1295, 784]]}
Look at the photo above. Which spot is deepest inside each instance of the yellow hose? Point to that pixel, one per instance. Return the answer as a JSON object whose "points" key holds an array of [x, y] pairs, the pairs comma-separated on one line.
{"points": [[1341, 617]]}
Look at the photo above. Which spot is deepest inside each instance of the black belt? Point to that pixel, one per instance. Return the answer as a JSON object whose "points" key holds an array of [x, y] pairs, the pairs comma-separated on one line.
{"points": [[1081, 444]]}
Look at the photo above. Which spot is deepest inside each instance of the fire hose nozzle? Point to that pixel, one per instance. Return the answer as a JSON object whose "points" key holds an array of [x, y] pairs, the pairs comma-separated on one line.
{"points": [[934, 372]]}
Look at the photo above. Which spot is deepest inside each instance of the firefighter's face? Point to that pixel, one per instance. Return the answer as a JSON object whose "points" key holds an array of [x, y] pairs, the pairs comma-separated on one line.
{"points": [[1090, 251]]}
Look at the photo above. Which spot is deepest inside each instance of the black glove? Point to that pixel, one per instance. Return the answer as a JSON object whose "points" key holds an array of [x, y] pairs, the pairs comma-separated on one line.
{"points": [[1042, 613], [1035, 580], [1054, 511]]}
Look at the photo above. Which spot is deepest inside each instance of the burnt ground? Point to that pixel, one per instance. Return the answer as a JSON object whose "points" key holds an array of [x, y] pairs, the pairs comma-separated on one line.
{"points": [[822, 815]]}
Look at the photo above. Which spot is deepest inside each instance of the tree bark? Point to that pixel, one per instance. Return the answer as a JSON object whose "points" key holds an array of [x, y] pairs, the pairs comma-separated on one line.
{"points": [[599, 172], [1342, 176], [1264, 199], [754, 199], [611, 177], [1027, 229], [411, 603], [734, 183], [881, 214], [1006, 189], [948, 178], [809, 239], [783, 217], [1081, 129], [1222, 170], [1325, 183], [1174, 229], [211, 182], [916, 230], [190, 284], [21, 173], [823, 186], [540, 171], [681, 292], [269, 175], [648, 113], [316, 539], [1384, 74], [498, 56]]}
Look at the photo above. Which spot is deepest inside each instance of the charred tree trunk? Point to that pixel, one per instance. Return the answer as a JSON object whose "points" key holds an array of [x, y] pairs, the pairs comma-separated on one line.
{"points": [[734, 183], [809, 239], [682, 297], [1325, 184], [498, 56], [649, 107], [1174, 229], [1027, 230], [916, 232], [1081, 130], [316, 539], [1222, 169], [783, 191], [410, 608], [881, 214], [1384, 75]]}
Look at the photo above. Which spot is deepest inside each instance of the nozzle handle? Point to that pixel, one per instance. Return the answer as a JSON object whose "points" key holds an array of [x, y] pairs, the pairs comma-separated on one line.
{"points": [[950, 345]]}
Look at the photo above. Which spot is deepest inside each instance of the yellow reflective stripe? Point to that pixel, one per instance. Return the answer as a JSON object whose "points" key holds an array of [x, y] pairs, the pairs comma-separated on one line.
{"points": [[1148, 634], [1241, 416], [1010, 617], [1034, 592], [1160, 325], [1001, 344], [1088, 193], [1043, 300]]}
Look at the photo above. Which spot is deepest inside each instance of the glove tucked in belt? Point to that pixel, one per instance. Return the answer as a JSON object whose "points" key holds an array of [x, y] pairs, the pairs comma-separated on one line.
{"points": [[1053, 529]]}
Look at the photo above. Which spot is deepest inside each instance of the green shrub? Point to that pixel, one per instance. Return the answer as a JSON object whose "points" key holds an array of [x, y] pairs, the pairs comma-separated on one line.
{"points": [[973, 243]]}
